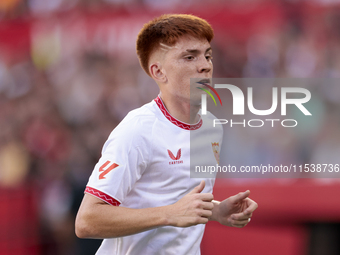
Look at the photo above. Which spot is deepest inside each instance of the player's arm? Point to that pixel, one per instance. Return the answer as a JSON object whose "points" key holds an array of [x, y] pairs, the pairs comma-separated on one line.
{"points": [[234, 211], [97, 219]]}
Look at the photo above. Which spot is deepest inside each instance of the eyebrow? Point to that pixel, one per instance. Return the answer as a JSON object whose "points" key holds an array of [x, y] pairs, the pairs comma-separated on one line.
{"points": [[194, 51]]}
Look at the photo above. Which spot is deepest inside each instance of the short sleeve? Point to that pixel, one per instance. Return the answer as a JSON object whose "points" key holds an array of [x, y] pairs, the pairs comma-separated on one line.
{"points": [[123, 160]]}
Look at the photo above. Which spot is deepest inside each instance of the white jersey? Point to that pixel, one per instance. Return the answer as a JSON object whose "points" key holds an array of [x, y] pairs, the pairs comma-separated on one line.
{"points": [[145, 163]]}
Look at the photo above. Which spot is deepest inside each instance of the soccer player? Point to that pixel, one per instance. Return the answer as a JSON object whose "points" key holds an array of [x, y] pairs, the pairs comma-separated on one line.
{"points": [[140, 198]]}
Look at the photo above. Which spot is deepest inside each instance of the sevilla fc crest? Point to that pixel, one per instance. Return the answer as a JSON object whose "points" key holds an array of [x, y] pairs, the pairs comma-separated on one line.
{"points": [[216, 149]]}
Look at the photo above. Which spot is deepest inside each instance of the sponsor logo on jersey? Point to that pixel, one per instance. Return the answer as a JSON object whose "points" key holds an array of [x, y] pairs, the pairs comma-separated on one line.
{"points": [[175, 160], [216, 148], [107, 167]]}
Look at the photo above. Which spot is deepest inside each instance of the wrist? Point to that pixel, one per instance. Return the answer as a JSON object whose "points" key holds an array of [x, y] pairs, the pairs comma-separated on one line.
{"points": [[167, 216], [215, 211]]}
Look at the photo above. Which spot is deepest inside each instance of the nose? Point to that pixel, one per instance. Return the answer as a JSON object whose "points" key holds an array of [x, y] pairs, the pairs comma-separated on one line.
{"points": [[205, 65]]}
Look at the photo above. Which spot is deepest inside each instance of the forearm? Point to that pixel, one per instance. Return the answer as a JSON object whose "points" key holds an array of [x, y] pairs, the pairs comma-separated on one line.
{"points": [[100, 220], [96, 219]]}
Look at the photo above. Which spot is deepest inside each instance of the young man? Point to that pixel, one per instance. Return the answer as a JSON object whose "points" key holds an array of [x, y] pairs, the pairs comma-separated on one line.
{"points": [[140, 198]]}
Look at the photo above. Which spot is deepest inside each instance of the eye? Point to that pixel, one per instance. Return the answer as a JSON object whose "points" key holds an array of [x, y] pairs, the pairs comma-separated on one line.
{"points": [[209, 58], [190, 57]]}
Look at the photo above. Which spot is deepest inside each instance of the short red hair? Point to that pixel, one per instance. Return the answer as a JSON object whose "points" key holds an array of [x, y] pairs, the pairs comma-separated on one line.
{"points": [[167, 29]]}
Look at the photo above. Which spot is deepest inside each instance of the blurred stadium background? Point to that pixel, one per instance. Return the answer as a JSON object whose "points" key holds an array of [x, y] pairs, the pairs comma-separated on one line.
{"points": [[69, 74]]}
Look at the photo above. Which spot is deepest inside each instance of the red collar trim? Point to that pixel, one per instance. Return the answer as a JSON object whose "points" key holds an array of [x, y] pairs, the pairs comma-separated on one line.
{"points": [[178, 123]]}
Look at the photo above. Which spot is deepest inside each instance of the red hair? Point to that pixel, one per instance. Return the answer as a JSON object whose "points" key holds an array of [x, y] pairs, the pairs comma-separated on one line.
{"points": [[167, 29]]}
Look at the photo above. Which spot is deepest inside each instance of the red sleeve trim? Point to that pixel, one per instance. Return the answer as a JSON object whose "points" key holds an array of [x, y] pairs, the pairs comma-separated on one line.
{"points": [[102, 196]]}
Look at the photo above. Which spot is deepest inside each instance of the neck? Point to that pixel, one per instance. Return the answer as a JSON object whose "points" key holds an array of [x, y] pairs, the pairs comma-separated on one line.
{"points": [[181, 109]]}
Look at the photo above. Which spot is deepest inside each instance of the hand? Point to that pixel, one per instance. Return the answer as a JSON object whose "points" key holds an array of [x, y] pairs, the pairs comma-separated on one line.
{"points": [[192, 209], [235, 211]]}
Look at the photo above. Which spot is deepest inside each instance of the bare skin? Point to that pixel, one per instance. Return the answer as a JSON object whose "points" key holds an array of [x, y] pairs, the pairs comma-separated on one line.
{"points": [[97, 219], [171, 67]]}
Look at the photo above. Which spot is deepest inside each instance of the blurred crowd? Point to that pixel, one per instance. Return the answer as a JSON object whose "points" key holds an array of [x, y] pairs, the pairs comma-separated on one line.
{"points": [[63, 94]]}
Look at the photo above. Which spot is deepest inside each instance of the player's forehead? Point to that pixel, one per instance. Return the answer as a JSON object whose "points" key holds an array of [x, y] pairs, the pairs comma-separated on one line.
{"points": [[189, 44]]}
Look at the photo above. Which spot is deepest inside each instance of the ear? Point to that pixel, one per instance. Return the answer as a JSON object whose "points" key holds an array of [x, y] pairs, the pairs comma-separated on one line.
{"points": [[157, 72]]}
